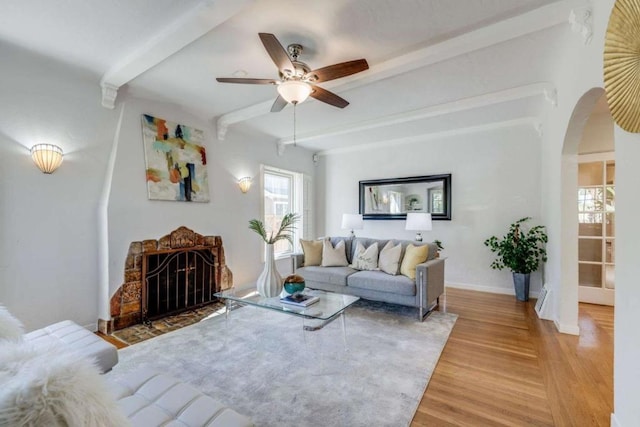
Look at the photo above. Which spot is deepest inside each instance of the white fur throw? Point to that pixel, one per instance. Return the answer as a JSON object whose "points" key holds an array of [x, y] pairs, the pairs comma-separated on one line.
{"points": [[53, 387], [11, 329]]}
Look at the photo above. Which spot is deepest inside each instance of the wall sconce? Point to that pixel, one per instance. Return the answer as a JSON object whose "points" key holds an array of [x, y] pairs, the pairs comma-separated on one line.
{"points": [[244, 184], [47, 157], [418, 221]]}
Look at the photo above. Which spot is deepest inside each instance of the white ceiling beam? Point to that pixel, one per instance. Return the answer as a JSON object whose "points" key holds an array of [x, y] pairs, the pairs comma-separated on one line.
{"points": [[545, 89], [533, 122], [182, 32], [527, 23]]}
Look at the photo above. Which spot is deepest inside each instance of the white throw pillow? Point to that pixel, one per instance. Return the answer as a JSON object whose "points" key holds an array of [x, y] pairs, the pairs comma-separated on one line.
{"points": [[53, 387], [389, 261], [11, 329], [365, 259], [334, 256]]}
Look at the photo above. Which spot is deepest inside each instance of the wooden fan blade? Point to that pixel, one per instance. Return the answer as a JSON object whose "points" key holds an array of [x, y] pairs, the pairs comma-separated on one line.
{"points": [[336, 71], [246, 81], [277, 53], [278, 104], [328, 97]]}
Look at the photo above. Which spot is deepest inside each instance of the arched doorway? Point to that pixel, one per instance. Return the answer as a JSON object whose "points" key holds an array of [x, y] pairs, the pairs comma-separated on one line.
{"points": [[568, 301]]}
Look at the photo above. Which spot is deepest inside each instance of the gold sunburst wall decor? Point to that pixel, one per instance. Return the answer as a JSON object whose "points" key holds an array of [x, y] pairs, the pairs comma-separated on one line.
{"points": [[622, 64]]}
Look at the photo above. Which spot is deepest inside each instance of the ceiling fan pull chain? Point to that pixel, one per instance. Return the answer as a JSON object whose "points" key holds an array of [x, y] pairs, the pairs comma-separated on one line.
{"points": [[294, 124]]}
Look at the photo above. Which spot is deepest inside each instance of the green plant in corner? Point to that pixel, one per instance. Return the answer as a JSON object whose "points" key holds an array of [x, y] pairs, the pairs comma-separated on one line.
{"points": [[438, 243], [284, 231], [519, 250]]}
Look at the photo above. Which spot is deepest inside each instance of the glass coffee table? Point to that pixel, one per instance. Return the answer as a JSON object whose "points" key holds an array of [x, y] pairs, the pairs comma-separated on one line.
{"points": [[314, 317]]}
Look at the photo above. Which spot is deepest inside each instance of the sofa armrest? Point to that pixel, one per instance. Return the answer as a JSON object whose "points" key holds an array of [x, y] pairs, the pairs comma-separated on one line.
{"points": [[430, 281], [296, 261]]}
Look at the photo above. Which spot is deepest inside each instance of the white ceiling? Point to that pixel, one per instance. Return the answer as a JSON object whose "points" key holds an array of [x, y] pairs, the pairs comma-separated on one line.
{"points": [[423, 55]]}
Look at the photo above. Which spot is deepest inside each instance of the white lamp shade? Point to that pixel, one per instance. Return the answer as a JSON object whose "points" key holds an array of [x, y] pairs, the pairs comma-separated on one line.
{"points": [[47, 157], [352, 222], [294, 91], [418, 221]]}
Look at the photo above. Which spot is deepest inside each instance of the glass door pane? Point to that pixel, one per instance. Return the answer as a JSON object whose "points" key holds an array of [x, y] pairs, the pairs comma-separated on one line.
{"points": [[590, 250], [590, 174], [590, 275]]}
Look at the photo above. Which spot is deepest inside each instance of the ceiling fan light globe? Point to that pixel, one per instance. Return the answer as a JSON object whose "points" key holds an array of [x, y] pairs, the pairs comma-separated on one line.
{"points": [[294, 91]]}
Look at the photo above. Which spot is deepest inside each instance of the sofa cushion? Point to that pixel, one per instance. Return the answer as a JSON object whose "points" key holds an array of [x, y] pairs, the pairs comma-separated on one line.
{"points": [[382, 282], [149, 398], [334, 256], [365, 259], [312, 250], [333, 275], [366, 242], [78, 340], [413, 256], [389, 261]]}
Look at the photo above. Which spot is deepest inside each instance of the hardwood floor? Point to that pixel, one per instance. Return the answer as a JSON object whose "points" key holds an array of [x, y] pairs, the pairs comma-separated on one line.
{"points": [[503, 366]]}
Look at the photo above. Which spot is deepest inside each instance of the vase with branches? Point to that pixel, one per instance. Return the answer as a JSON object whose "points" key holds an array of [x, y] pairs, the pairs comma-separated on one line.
{"points": [[521, 251], [269, 282]]}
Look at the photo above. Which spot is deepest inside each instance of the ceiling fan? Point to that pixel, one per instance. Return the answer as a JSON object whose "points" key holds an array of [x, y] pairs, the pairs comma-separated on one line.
{"points": [[297, 80]]}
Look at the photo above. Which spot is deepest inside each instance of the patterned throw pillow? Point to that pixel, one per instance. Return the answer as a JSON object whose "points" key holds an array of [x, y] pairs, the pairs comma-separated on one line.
{"points": [[334, 256], [390, 258], [365, 259], [312, 250], [413, 256]]}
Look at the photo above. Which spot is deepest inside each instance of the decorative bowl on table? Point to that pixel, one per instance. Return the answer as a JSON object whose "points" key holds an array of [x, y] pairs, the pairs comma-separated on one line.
{"points": [[293, 284]]}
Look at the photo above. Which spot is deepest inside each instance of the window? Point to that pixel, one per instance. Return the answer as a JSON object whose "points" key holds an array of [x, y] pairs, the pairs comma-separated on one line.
{"points": [[283, 193]]}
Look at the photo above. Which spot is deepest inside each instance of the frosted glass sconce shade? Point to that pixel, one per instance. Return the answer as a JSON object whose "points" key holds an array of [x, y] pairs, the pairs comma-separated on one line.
{"points": [[244, 184], [47, 157]]}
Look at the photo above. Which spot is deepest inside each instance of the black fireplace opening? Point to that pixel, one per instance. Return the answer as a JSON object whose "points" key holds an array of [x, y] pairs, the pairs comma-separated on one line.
{"points": [[176, 281]]}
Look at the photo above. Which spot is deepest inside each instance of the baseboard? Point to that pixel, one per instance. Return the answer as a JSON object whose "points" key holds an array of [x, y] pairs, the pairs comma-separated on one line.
{"points": [[567, 329], [489, 289], [614, 421]]}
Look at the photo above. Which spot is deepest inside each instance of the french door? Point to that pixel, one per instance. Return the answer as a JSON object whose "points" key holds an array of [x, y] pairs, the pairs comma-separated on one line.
{"points": [[596, 228]]}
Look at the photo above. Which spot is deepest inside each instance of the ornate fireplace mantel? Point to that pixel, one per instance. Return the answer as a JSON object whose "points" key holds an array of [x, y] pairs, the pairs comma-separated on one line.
{"points": [[126, 302]]}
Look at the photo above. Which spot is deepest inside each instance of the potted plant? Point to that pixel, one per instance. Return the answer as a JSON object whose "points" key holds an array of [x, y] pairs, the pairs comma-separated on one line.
{"points": [[521, 251], [269, 282], [438, 243]]}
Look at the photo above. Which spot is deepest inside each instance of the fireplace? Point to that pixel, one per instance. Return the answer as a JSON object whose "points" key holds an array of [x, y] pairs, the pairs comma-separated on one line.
{"points": [[177, 272], [176, 280]]}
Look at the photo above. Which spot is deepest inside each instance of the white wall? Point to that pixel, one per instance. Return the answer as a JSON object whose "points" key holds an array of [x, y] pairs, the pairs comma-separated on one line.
{"points": [[48, 250], [598, 135], [579, 72], [132, 217], [627, 315], [495, 181]]}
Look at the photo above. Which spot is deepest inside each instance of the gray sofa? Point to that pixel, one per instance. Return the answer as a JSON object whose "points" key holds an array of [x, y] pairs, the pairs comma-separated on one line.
{"points": [[423, 292]]}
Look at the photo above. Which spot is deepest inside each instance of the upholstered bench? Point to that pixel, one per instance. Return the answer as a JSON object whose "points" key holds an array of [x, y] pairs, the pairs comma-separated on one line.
{"points": [[149, 398], [78, 340]]}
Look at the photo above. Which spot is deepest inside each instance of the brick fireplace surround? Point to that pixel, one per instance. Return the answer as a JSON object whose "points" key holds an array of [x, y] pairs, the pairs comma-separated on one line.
{"points": [[126, 302]]}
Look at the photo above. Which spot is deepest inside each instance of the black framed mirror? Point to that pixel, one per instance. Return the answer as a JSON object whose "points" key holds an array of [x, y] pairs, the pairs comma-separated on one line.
{"points": [[392, 198]]}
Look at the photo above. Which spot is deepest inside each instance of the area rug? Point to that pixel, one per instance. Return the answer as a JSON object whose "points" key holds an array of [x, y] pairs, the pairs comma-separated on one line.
{"points": [[263, 365]]}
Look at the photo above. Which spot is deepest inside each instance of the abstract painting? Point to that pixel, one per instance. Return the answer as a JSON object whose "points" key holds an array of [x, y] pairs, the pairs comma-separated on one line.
{"points": [[176, 161]]}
